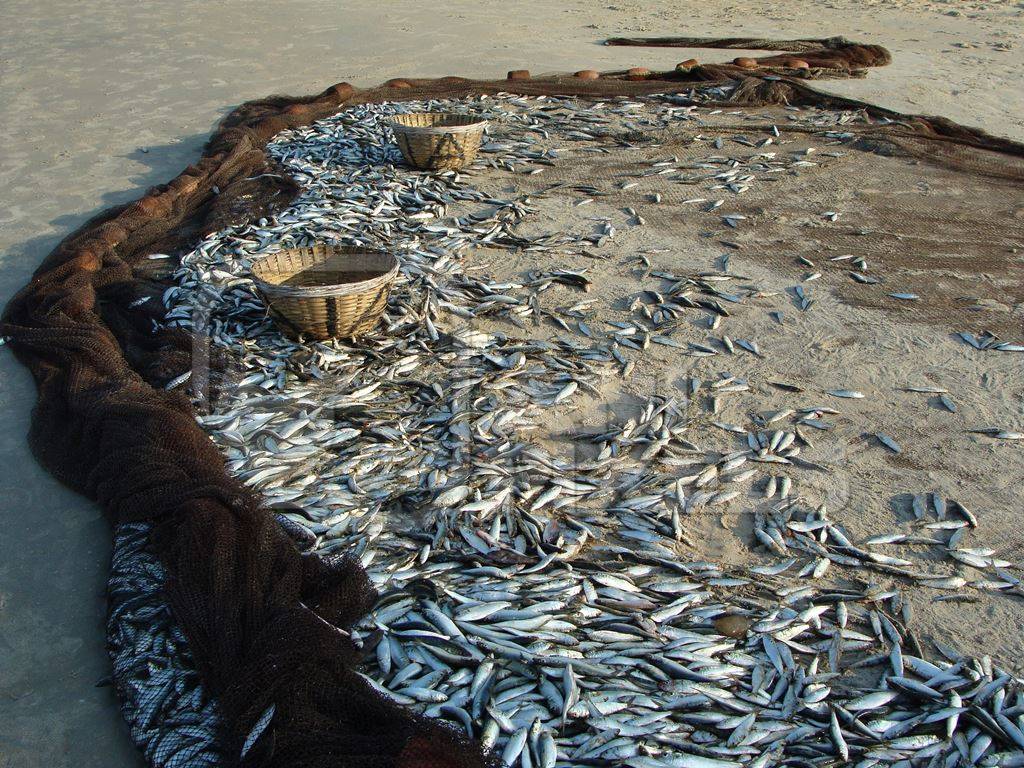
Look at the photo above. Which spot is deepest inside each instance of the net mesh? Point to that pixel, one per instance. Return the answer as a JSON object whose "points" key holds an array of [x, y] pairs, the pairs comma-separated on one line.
{"points": [[265, 624]]}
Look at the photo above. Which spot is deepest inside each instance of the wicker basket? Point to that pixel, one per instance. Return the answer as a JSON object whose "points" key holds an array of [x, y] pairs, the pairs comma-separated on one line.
{"points": [[438, 141], [326, 291]]}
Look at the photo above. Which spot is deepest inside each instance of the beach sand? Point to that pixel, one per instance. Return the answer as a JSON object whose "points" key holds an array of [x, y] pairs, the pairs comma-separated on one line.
{"points": [[104, 100]]}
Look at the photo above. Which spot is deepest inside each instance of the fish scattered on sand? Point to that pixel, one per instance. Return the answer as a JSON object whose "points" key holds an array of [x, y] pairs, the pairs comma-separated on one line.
{"points": [[545, 603]]}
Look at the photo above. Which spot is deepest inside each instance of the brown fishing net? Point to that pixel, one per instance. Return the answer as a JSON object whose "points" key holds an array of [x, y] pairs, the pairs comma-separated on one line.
{"points": [[266, 624]]}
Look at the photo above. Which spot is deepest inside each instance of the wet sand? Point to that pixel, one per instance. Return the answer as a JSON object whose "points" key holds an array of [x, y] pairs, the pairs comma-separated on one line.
{"points": [[104, 102]]}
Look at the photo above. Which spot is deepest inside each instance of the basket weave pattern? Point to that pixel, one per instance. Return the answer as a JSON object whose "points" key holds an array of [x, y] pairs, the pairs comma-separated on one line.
{"points": [[326, 291], [438, 141]]}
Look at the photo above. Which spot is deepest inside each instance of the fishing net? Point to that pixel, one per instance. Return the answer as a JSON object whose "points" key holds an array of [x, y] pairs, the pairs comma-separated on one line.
{"points": [[267, 628]]}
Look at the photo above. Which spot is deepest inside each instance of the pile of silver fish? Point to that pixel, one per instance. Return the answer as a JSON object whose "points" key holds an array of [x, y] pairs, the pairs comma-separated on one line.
{"points": [[170, 717], [541, 601]]}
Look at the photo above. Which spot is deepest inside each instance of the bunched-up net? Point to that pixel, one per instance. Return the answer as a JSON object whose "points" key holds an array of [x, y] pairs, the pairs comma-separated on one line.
{"points": [[266, 628]]}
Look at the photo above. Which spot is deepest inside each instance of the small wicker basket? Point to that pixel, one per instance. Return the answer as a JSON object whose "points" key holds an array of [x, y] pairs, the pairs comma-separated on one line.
{"points": [[438, 141], [326, 291]]}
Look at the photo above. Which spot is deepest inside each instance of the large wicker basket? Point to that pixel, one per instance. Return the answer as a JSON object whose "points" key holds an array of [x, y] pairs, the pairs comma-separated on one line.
{"points": [[438, 141], [326, 291]]}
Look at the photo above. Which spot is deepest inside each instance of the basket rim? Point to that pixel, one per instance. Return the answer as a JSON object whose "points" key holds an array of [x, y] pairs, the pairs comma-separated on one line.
{"points": [[475, 125], [325, 291]]}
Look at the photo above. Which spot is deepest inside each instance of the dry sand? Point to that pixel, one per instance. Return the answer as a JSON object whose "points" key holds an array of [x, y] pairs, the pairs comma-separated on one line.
{"points": [[87, 88]]}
